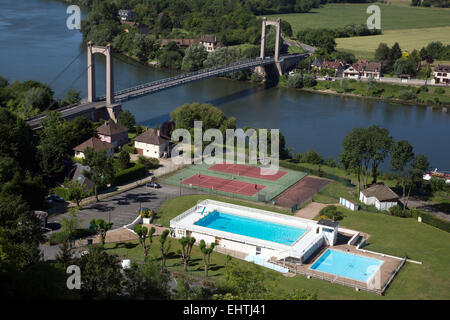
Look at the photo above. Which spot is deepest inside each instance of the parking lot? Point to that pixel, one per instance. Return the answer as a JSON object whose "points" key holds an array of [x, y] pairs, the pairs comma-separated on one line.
{"points": [[122, 208]]}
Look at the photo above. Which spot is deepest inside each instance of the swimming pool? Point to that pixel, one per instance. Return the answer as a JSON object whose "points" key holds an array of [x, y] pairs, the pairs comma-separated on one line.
{"points": [[251, 227], [347, 265]]}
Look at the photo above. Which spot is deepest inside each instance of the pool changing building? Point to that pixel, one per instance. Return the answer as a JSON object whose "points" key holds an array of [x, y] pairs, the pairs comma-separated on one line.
{"points": [[316, 234]]}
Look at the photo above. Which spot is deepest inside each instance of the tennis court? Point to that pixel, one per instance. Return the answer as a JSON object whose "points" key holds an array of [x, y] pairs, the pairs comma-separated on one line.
{"points": [[301, 192], [248, 171], [271, 189], [226, 185]]}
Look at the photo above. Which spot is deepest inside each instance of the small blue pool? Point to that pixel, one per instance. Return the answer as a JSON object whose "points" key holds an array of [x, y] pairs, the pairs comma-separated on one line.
{"points": [[251, 227], [347, 265]]}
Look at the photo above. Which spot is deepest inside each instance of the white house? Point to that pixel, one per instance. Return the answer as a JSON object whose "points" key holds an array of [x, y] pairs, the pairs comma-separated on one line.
{"points": [[441, 74], [151, 144], [96, 144], [379, 195]]}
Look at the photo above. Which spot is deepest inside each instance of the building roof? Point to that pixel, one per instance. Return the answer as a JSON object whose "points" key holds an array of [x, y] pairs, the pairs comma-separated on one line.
{"points": [[180, 42], [209, 38], [364, 65], [111, 128], [381, 192], [150, 137], [442, 68], [94, 143], [328, 223], [332, 64]]}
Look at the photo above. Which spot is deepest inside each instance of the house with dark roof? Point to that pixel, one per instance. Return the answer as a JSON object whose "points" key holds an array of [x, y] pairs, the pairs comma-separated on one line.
{"points": [[113, 133], [363, 69], [96, 144], [379, 195], [441, 74], [151, 144]]}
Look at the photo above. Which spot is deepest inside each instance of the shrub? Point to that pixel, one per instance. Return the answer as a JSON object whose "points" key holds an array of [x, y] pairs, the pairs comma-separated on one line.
{"points": [[308, 80], [130, 174], [295, 81], [331, 163], [129, 148], [439, 90], [62, 192], [148, 163], [332, 213], [147, 213], [57, 238], [399, 212], [407, 94], [437, 184]]}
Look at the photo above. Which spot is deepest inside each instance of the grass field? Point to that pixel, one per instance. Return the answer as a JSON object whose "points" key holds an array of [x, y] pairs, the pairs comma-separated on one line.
{"points": [[411, 27], [272, 189], [390, 235], [408, 39], [393, 17]]}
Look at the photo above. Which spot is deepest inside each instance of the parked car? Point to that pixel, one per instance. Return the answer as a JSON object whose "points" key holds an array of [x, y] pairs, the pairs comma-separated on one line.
{"points": [[153, 185], [54, 197]]}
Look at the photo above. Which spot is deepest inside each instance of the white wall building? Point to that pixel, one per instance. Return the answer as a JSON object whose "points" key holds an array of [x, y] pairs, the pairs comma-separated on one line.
{"points": [[151, 144], [379, 195]]}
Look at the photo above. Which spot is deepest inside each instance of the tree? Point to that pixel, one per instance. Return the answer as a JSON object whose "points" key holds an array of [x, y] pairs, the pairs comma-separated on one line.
{"points": [[145, 281], [206, 254], [379, 146], [395, 52], [101, 228], [186, 248], [64, 257], [419, 167], [101, 168], [72, 97], [295, 81], [124, 159], [143, 234], [401, 156], [69, 224], [75, 190], [382, 53], [194, 57], [126, 119], [101, 276], [164, 248]]}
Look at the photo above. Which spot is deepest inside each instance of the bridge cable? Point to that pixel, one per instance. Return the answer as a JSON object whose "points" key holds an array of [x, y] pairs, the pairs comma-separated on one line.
{"points": [[64, 69]]}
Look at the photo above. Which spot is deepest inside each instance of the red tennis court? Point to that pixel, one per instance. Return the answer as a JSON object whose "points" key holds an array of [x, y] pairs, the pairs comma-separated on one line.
{"points": [[248, 171], [226, 185]]}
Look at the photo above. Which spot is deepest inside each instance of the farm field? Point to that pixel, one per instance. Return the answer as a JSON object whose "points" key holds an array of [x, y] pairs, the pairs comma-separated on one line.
{"points": [[407, 39], [393, 17]]}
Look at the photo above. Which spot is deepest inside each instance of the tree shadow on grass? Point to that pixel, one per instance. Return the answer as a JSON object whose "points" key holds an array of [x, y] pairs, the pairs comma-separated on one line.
{"points": [[124, 245]]}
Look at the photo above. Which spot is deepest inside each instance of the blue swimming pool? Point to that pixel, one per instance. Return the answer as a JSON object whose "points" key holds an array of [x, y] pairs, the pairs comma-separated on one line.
{"points": [[347, 265], [251, 227]]}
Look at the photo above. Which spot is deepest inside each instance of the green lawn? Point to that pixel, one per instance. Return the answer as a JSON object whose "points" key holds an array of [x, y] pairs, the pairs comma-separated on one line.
{"points": [[390, 235], [393, 17]]}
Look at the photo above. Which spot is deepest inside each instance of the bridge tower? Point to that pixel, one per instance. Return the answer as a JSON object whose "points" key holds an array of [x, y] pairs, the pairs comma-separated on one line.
{"points": [[112, 108], [277, 25]]}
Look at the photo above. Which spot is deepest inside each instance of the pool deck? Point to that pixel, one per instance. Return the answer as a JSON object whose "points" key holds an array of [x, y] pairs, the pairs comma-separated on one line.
{"points": [[375, 283]]}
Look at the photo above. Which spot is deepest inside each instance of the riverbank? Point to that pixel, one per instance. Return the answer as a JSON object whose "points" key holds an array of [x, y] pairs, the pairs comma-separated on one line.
{"points": [[393, 93]]}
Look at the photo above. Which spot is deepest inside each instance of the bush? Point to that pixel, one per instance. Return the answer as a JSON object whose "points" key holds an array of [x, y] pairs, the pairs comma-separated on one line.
{"points": [[407, 94], [439, 90], [308, 80], [437, 184], [399, 212], [62, 192], [57, 238], [148, 163], [331, 213], [309, 156], [130, 174], [147, 213], [295, 81], [129, 148]]}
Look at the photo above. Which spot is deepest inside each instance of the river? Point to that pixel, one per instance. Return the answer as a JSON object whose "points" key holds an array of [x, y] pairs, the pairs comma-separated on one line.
{"points": [[36, 44]]}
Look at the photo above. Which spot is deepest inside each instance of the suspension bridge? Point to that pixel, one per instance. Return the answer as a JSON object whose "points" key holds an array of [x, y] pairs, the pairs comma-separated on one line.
{"points": [[108, 106]]}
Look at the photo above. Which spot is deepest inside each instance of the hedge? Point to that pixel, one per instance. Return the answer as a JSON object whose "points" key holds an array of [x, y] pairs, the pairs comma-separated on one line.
{"points": [[432, 220], [130, 174], [299, 167]]}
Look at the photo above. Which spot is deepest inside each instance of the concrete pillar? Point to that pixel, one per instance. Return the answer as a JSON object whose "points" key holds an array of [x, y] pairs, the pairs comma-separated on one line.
{"points": [[277, 40], [109, 76], [91, 73], [263, 38]]}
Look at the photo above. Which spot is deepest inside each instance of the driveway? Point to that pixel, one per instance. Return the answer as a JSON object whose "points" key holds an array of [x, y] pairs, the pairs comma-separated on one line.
{"points": [[121, 209]]}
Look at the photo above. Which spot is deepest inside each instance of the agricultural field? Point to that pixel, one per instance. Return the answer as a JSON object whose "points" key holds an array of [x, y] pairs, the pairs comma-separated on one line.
{"points": [[411, 27]]}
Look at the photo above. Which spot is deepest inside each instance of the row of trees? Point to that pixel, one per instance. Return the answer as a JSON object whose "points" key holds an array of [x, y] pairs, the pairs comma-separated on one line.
{"points": [[430, 3]]}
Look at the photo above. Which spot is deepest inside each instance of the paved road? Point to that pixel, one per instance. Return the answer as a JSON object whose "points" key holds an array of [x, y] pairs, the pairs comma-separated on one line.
{"points": [[122, 208]]}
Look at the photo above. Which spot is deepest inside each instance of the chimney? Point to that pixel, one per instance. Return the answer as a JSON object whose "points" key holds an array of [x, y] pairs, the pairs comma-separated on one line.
{"points": [[157, 132]]}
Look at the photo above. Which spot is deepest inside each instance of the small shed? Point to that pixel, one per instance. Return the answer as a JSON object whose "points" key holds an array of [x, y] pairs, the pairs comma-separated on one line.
{"points": [[379, 195]]}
